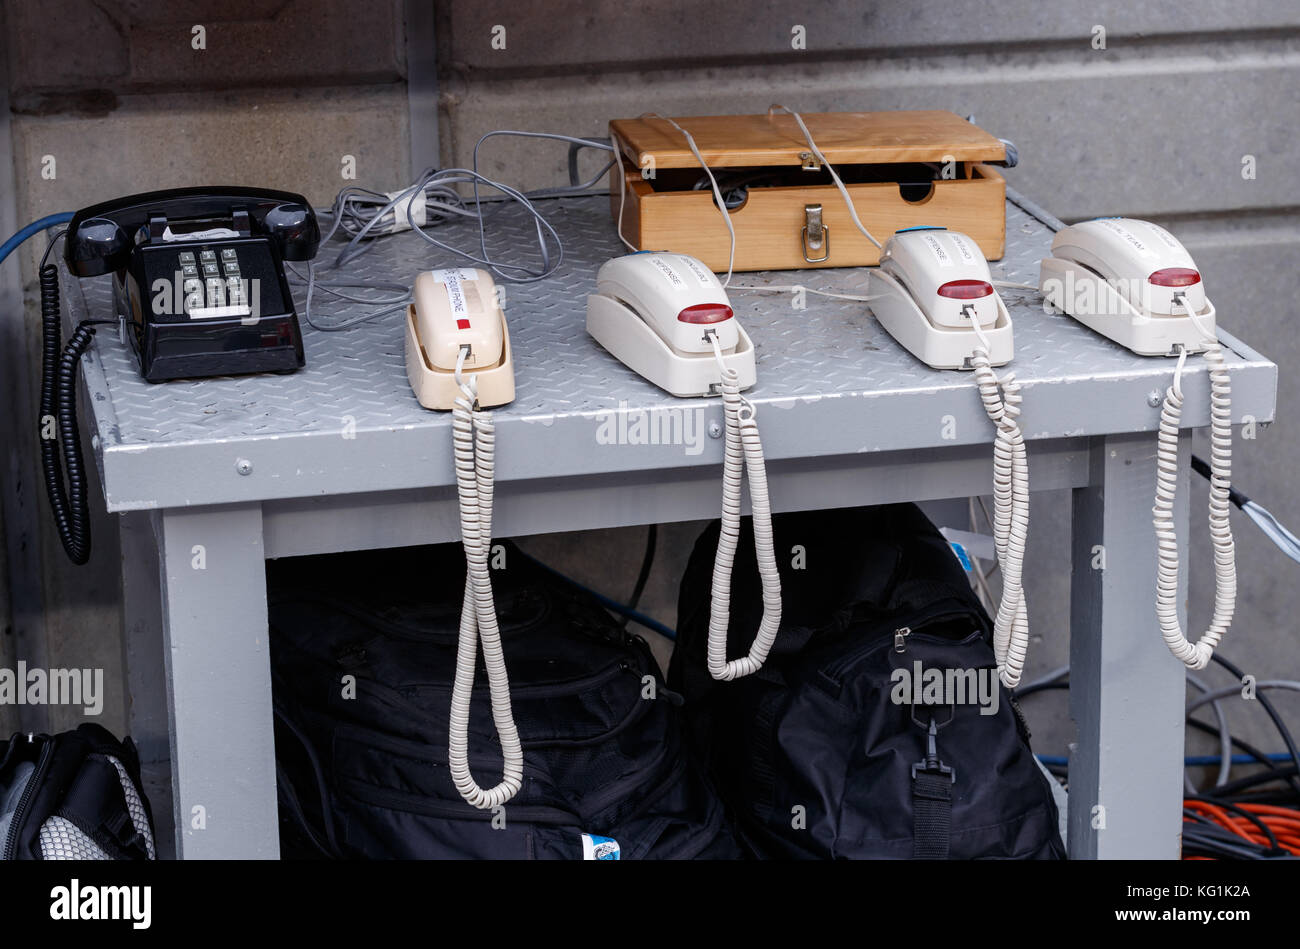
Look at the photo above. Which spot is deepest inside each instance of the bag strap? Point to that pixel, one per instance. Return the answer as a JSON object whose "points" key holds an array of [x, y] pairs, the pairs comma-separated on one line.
{"points": [[932, 782]]}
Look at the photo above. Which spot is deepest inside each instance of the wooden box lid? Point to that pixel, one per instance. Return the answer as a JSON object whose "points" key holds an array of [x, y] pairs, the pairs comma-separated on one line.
{"points": [[844, 138]]}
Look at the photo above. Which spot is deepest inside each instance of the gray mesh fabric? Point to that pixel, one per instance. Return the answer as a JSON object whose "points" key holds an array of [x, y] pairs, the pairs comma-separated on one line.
{"points": [[63, 840], [136, 808], [60, 839]]}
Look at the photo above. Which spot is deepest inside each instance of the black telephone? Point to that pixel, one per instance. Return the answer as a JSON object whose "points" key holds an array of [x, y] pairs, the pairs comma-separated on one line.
{"points": [[199, 290], [199, 276]]}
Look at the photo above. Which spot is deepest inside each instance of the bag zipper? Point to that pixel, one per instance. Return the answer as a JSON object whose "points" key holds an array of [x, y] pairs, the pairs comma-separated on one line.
{"points": [[25, 800], [899, 639]]}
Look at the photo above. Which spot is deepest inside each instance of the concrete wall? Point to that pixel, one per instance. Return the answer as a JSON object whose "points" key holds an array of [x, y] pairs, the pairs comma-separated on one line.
{"points": [[1157, 124], [111, 99]]}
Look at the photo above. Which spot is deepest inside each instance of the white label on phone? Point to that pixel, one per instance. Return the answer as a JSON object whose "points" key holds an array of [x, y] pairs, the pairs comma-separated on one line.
{"points": [[937, 249]]}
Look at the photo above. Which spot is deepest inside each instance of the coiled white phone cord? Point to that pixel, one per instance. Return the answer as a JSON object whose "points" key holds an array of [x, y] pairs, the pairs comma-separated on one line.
{"points": [[1001, 398], [474, 439], [744, 451], [1195, 655]]}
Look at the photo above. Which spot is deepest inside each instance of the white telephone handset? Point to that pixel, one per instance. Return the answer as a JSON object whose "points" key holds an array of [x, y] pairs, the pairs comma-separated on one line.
{"points": [[666, 317], [660, 314], [1134, 282], [934, 294], [458, 357], [453, 311]]}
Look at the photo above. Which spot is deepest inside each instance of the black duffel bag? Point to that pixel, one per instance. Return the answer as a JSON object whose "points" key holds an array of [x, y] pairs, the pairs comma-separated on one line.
{"points": [[363, 655], [829, 751]]}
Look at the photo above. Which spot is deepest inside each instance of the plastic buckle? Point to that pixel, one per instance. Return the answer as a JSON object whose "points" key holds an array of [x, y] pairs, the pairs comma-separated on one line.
{"points": [[931, 764]]}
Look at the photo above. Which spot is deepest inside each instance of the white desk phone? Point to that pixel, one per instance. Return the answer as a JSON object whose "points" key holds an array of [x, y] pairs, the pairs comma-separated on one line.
{"points": [[934, 294], [1135, 283], [455, 310], [1128, 280], [657, 313], [458, 357], [668, 318]]}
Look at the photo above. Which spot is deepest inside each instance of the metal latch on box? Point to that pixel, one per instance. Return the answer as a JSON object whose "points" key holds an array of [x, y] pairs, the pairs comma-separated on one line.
{"points": [[816, 235]]}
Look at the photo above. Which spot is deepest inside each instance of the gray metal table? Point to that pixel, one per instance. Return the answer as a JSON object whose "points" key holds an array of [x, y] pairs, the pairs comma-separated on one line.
{"points": [[213, 477]]}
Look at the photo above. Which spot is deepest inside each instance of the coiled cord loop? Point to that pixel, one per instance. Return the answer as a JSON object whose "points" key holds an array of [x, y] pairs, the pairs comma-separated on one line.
{"points": [[61, 448], [1001, 400], [1195, 655], [474, 443], [743, 452]]}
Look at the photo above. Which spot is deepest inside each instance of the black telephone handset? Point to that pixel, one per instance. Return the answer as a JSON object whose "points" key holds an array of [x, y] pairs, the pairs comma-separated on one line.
{"points": [[199, 290]]}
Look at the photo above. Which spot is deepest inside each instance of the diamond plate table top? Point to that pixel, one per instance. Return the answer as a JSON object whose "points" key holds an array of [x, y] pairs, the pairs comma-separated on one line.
{"points": [[831, 381]]}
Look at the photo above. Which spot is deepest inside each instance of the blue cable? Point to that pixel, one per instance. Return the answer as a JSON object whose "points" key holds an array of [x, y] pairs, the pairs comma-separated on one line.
{"points": [[1191, 761], [50, 220], [617, 607]]}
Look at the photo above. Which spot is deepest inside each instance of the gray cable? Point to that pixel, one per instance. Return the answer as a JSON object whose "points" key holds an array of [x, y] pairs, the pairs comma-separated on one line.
{"points": [[1225, 739], [1289, 685], [1273, 529], [363, 214]]}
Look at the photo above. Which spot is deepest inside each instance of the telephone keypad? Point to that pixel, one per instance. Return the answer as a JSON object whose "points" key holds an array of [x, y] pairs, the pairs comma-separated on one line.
{"points": [[215, 280]]}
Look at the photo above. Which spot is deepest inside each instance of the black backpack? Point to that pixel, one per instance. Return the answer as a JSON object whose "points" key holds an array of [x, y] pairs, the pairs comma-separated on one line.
{"points": [[606, 773], [824, 752], [73, 796]]}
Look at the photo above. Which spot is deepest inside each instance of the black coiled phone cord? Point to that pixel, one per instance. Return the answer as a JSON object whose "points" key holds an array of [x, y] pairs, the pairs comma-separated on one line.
{"points": [[61, 448]]}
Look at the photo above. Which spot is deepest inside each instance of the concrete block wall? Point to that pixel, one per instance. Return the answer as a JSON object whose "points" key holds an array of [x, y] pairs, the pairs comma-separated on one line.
{"points": [[1156, 121], [112, 99]]}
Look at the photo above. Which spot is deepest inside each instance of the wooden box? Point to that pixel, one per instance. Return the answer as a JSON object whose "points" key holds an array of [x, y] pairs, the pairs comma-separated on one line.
{"points": [[902, 169]]}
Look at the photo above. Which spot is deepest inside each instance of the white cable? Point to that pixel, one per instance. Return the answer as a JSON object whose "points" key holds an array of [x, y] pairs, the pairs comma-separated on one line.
{"points": [[474, 439], [713, 182], [622, 199], [1195, 655], [796, 288], [743, 451], [817, 153], [1001, 400]]}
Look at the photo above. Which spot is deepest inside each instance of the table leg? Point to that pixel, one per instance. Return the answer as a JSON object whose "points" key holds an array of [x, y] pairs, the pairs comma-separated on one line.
{"points": [[145, 670], [1127, 691], [219, 682]]}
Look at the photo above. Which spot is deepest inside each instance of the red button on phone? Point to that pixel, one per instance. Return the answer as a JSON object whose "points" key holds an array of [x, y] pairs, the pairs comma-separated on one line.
{"points": [[1175, 277], [705, 313], [965, 289]]}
